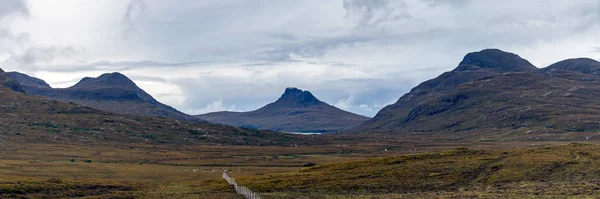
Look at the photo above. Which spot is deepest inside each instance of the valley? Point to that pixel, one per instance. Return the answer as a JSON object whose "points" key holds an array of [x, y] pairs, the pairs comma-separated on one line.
{"points": [[168, 171], [321, 99], [494, 127]]}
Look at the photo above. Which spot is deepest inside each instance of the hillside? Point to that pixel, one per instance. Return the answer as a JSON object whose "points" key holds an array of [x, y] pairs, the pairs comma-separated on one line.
{"points": [[582, 65], [112, 92], [10, 83], [295, 111], [495, 91], [32, 119]]}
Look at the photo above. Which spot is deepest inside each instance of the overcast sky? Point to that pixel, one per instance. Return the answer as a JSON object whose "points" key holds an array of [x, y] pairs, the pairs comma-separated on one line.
{"points": [[359, 55]]}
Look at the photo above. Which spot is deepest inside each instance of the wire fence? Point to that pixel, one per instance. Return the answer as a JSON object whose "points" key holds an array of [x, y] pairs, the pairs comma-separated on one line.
{"points": [[241, 189]]}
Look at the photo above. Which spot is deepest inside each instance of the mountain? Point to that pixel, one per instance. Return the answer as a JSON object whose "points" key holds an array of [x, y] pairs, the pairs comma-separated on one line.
{"points": [[295, 111], [495, 60], [34, 119], [582, 65], [112, 92], [26, 80], [492, 91]]}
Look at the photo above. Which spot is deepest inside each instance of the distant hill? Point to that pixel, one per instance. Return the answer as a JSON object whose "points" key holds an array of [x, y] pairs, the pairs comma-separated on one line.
{"points": [[295, 111], [113, 92], [582, 65], [494, 91], [33, 119]]}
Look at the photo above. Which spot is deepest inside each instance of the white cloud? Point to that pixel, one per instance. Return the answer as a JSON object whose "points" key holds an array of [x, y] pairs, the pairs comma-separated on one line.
{"points": [[213, 107], [345, 103]]}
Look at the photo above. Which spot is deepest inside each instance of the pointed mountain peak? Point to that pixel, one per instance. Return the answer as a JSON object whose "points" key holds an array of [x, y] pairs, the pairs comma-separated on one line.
{"points": [[582, 65], [27, 80], [292, 91], [294, 97], [106, 80], [494, 59]]}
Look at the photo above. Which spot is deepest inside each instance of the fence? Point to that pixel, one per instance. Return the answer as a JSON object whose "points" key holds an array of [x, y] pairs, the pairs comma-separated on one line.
{"points": [[241, 189]]}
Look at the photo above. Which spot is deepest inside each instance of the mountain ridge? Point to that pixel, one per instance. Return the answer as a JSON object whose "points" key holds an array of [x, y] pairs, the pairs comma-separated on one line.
{"points": [[583, 65], [112, 92], [496, 98], [33, 119]]}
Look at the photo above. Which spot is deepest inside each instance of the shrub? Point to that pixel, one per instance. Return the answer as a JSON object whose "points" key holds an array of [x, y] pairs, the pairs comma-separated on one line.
{"points": [[310, 164]]}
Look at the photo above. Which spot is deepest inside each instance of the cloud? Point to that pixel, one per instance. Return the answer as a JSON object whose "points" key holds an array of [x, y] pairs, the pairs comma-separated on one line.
{"points": [[213, 107], [345, 103], [358, 54], [373, 14], [13, 6], [36, 54], [135, 9]]}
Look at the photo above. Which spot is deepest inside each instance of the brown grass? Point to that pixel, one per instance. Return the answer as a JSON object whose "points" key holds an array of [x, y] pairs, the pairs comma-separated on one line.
{"points": [[557, 171], [171, 171]]}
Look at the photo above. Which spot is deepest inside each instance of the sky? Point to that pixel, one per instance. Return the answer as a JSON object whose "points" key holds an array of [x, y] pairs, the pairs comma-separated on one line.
{"points": [[238, 55]]}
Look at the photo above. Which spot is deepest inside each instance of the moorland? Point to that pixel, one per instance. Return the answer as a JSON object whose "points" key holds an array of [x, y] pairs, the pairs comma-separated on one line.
{"points": [[494, 127]]}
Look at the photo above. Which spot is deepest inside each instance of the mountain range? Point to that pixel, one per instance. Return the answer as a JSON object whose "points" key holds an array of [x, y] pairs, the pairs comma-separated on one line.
{"points": [[33, 119], [112, 92], [295, 111], [495, 91], [491, 94]]}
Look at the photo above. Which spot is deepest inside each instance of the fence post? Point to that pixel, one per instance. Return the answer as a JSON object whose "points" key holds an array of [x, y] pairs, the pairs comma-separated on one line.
{"points": [[242, 190]]}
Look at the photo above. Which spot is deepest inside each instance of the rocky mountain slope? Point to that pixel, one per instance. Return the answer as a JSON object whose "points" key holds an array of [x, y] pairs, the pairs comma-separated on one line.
{"points": [[295, 111], [496, 91], [582, 65], [111, 92], [10, 83]]}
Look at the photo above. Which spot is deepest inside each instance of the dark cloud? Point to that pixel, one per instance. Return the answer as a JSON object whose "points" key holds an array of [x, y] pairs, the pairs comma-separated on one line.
{"points": [[28, 58], [376, 13], [35, 55], [116, 66], [13, 6], [135, 9], [313, 47]]}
